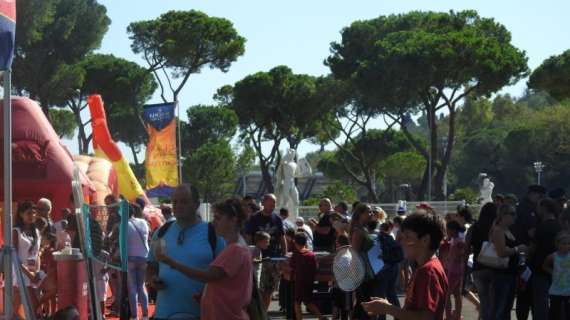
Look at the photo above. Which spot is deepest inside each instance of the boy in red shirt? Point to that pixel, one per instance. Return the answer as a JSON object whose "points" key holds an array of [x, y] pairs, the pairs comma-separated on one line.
{"points": [[304, 267], [426, 295]]}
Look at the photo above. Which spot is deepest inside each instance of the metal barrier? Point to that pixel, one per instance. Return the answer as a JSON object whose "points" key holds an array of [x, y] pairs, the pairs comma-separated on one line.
{"points": [[441, 207]]}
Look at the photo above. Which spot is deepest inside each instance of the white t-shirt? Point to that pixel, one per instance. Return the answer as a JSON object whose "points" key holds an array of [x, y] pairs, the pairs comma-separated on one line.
{"points": [[28, 252]]}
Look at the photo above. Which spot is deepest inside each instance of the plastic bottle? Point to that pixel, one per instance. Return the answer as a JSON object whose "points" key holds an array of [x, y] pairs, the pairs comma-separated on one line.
{"points": [[67, 248]]}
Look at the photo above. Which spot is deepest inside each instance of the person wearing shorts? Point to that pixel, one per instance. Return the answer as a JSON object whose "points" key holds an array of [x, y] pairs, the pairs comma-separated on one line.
{"points": [[268, 221]]}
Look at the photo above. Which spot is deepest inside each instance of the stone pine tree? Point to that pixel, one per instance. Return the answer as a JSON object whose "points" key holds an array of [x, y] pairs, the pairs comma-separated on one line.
{"points": [[426, 61]]}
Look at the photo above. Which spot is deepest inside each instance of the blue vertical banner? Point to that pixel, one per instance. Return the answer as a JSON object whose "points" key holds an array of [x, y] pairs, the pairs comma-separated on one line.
{"points": [[7, 33], [161, 161]]}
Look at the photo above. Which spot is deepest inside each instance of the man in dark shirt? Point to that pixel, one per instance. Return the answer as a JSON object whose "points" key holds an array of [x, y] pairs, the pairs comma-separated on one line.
{"points": [[524, 230], [266, 220], [527, 218], [544, 244]]}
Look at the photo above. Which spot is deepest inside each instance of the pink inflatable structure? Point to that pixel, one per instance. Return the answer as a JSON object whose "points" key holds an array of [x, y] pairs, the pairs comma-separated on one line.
{"points": [[42, 167]]}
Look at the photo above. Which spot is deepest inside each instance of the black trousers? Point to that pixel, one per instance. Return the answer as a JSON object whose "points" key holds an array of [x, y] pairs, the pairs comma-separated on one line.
{"points": [[559, 308], [524, 301]]}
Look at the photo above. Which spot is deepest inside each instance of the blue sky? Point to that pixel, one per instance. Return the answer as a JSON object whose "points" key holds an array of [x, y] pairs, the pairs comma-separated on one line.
{"points": [[298, 33]]}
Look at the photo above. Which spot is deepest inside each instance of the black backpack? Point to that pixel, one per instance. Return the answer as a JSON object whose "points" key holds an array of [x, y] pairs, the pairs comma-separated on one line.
{"points": [[212, 239], [392, 251]]}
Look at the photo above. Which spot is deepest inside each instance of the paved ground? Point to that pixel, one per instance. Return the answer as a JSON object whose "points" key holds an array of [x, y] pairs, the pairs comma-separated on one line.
{"points": [[469, 312]]}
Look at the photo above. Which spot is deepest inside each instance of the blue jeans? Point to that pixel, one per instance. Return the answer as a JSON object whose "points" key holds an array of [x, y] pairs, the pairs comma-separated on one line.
{"points": [[135, 282], [385, 285], [504, 295]]}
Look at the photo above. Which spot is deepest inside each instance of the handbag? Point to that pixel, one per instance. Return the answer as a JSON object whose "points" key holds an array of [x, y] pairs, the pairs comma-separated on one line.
{"points": [[489, 257]]}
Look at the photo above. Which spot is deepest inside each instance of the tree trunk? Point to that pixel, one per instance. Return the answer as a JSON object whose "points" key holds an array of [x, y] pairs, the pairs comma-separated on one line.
{"points": [[82, 139], [45, 109], [421, 193], [446, 157], [432, 118], [372, 194], [266, 176], [134, 151]]}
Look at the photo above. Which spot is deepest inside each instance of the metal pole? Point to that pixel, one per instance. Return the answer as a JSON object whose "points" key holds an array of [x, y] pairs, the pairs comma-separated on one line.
{"points": [[539, 172], [429, 160], [8, 309], [179, 143]]}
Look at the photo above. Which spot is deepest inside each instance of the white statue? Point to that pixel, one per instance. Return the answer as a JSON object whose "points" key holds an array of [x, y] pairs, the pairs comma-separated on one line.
{"points": [[486, 187], [285, 190]]}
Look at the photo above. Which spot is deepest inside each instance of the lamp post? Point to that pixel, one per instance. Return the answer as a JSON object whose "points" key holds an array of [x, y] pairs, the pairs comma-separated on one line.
{"points": [[539, 168]]}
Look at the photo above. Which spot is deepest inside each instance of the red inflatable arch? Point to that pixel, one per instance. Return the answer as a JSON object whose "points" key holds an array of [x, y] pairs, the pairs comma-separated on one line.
{"points": [[42, 166]]}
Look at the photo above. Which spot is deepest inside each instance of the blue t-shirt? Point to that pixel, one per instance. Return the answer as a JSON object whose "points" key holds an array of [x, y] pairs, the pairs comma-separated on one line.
{"points": [[195, 252]]}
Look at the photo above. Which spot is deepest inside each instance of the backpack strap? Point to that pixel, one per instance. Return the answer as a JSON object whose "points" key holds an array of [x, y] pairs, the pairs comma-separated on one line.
{"points": [[162, 230], [212, 239]]}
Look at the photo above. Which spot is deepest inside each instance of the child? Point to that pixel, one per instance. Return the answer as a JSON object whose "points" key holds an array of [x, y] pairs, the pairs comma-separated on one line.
{"points": [[304, 267], [48, 287], [261, 240], [425, 297], [404, 274], [558, 264], [455, 268]]}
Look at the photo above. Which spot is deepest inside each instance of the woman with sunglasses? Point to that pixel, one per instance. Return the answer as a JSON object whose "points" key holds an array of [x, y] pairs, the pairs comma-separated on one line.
{"points": [[229, 277]]}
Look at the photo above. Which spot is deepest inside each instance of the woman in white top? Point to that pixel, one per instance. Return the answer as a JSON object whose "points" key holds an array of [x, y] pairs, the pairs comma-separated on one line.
{"points": [[137, 247], [27, 240]]}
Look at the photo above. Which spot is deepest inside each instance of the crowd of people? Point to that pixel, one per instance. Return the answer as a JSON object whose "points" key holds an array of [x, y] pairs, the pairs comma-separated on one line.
{"points": [[232, 267]]}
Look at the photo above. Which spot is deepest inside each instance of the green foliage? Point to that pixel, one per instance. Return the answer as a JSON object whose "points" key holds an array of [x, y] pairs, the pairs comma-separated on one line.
{"points": [[63, 122], [361, 159], [184, 42], [553, 76], [312, 201], [426, 61], [52, 36], [469, 195], [125, 87], [211, 169], [208, 124], [340, 191], [245, 160], [506, 148], [329, 165], [277, 105], [407, 167], [504, 108], [475, 114], [395, 60], [284, 104]]}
